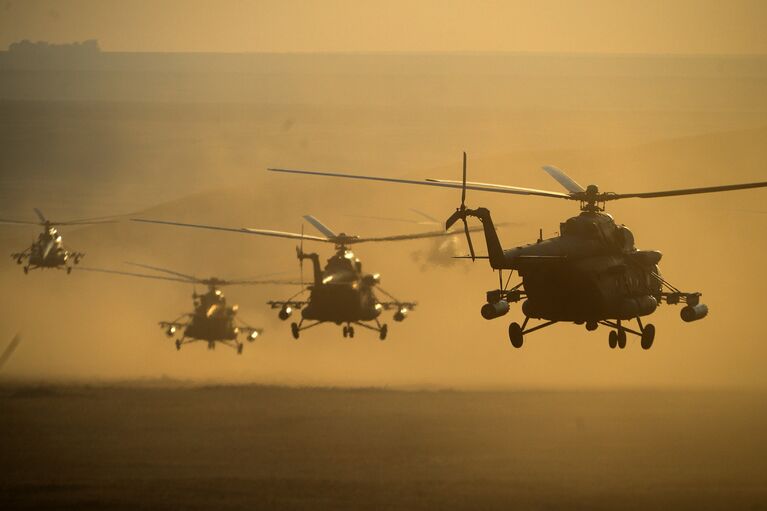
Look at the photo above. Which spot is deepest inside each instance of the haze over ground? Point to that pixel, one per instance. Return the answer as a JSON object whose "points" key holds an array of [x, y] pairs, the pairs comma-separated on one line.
{"points": [[186, 137]]}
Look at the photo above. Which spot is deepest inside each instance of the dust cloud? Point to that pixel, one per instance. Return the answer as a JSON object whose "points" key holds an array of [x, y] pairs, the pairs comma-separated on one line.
{"points": [[188, 138]]}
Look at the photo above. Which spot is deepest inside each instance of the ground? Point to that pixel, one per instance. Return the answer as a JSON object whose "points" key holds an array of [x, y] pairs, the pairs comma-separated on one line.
{"points": [[248, 447]]}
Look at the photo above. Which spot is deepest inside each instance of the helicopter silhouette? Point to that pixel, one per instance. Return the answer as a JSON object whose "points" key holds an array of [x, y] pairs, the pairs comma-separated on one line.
{"points": [[341, 293], [48, 251], [591, 273], [212, 321]]}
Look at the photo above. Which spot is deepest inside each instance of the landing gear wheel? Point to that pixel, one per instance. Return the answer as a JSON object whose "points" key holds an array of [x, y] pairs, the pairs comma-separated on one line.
{"points": [[515, 335], [346, 331], [612, 339], [648, 336], [178, 344], [69, 270], [239, 349], [621, 338], [351, 332], [294, 330], [26, 270], [382, 332]]}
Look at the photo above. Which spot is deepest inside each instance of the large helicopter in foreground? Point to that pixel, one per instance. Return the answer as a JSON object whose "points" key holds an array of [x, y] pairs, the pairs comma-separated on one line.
{"points": [[48, 251], [340, 293], [591, 273], [213, 321]]}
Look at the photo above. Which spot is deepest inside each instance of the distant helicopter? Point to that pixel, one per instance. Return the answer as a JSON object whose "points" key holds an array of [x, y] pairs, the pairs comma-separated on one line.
{"points": [[48, 250], [590, 274], [340, 293], [213, 321], [441, 251]]}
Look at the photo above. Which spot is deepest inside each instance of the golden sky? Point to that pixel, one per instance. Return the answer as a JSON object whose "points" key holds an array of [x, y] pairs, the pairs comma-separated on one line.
{"points": [[592, 26]]}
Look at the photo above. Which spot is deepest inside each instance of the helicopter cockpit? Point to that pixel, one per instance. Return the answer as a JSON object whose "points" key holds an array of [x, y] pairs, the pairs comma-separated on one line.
{"points": [[343, 261]]}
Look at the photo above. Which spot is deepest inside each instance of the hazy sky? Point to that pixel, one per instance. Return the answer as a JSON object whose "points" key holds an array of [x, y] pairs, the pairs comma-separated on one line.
{"points": [[614, 26]]}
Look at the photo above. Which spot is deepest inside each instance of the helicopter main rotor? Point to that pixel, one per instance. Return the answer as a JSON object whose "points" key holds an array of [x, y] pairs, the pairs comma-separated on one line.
{"points": [[591, 198], [340, 241]]}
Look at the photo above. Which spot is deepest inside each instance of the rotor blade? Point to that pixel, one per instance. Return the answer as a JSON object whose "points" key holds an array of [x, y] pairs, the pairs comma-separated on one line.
{"points": [[164, 270], [389, 219], [10, 349], [686, 191], [86, 222], [482, 187], [563, 179], [403, 237], [257, 282], [40, 215], [324, 229], [92, 220], [490, 187], [243, 230], [463, 183], [426, 216], [130, 274], [20, 222], [468, 238]]}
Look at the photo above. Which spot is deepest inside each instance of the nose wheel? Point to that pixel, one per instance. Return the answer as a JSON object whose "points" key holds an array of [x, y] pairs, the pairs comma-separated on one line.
{"points": [[515, 335], [294, 330], [648, 336]]}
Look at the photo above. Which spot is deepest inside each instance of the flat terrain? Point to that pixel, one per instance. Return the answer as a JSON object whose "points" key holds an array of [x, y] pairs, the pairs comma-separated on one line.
{"points": [[229, 447]]}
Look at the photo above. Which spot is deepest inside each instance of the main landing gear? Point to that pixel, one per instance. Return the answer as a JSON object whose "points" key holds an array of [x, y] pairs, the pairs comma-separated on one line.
{"points": [[517, 332], [616, 339], [295, 328], [617, 336], [348, 331]]}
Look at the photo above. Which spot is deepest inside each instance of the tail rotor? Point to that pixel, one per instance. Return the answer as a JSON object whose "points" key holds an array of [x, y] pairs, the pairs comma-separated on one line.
{"points": [[300, 254], [460, 213]]}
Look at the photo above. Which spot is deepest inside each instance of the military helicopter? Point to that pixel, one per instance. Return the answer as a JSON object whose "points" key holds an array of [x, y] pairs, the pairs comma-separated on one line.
{"points": [[213, 321], [340, 293], [48, 250], [591, 273]]}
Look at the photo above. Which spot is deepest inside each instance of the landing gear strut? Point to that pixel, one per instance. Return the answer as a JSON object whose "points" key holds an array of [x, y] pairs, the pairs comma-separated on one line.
{"points": [[617, 336], [517, 331]]}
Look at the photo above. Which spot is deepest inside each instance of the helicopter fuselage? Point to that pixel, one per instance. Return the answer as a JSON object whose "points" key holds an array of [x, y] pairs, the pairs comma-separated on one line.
{"points": [[341, 303], [590, 272], [47, 251], [213, 319], [341, 293]]}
